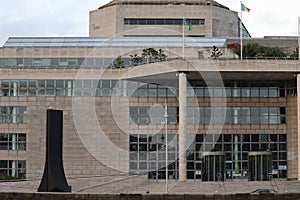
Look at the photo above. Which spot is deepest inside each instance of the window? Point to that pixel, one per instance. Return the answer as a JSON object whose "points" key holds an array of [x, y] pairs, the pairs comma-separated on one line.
{"points": [[60, 88], [132, 89], [12, 169], [142, 21], [147, 155], [87, 88], [126, 21], [2, 62], [54, 62], [63, 62], [89, 61], [12, 115], [12, 141], [169, 21], [20, 62], [152, 90], [72, 61], [50, 85], [236, 115], [106, 90], [58, 62], [46, 62], [23, 88], [32, 88], [37, 62], [5, 88], [145, 115], [236, 148], [150, 21], [249, 89], [11, 62], [133, 22], [161, 21]]}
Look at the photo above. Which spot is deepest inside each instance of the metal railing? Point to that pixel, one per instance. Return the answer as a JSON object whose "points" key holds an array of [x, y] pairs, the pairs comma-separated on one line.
{"points": [[131, 64]]}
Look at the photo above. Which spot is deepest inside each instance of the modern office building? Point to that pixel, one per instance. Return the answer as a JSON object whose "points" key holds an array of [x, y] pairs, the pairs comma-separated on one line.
{"points": [[219, 118]]}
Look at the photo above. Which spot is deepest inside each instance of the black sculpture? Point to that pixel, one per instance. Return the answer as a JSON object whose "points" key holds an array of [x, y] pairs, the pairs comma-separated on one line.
{"points": [[54, 179]]}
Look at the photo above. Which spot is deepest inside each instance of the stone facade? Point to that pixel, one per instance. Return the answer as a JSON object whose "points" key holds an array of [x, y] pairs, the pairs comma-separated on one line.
{"points": [[292, 129], [108, 20], [79, 161]]}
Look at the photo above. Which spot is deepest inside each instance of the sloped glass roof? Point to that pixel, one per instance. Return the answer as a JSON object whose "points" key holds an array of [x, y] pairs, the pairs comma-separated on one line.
{"points": [[163, 2], [113, 42]]}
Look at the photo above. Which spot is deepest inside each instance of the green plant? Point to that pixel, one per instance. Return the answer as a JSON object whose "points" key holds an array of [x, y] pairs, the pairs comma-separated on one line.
{"points": [[136, 59], [255, 50], [161, 56], [119, 63], [216, 53], [260, 55], [7, 177], [150, 54]]}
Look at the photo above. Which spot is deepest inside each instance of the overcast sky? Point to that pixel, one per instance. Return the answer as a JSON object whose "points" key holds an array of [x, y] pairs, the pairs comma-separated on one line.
{"points": [[70, 17]]}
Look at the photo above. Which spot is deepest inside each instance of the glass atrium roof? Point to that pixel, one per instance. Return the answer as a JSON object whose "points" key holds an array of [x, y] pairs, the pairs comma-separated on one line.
{"points": [[113, 42]]}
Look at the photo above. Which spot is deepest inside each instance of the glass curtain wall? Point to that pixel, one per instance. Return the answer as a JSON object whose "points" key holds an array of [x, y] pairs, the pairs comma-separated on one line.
{"points": [[236, 148]]}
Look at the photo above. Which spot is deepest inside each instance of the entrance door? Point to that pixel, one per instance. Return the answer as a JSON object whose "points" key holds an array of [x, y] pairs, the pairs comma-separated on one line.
{"points": [[260, 166]]}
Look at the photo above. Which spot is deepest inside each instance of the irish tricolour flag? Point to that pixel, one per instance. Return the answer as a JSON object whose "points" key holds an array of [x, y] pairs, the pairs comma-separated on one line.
{"points": [[244, 8]]}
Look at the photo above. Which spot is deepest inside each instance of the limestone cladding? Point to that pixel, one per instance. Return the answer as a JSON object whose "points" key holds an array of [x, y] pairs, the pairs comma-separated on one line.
{"points": [[292, 137], [78, 161], [109, 21]]}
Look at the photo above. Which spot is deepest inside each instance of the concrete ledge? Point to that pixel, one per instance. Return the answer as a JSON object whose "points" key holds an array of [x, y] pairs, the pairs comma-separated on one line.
{"points": [[69, 196]]}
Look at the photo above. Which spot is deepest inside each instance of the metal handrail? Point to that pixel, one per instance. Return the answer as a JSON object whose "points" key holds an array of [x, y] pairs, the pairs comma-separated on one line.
{"points": [[142, 63]]}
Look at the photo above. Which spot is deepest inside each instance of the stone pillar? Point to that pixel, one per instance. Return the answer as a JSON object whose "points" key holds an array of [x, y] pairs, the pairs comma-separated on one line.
{"points": [[182, 126], [292, 137], [298, 120]]}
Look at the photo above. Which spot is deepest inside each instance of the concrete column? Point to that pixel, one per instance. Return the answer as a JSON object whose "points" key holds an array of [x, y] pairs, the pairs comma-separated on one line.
{"points": [[298, 119], [292, 136], [182, 125]]}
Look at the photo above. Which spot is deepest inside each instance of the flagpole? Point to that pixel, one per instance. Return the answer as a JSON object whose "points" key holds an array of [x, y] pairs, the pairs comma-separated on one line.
{"points": [[299, 38], [241, 31], [166, 137], [183, 38]]}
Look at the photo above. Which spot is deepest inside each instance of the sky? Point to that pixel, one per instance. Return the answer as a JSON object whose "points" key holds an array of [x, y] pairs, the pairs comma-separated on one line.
{"points": [[71, 17], [268, 17]]}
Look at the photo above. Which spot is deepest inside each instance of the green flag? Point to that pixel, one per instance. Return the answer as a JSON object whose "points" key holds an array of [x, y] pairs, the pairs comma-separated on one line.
{"points": [[189, 24]]}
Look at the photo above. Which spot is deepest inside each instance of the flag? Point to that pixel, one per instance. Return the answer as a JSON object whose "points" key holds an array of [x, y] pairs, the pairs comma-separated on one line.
{"points": [[244, 8], [189, 24]]}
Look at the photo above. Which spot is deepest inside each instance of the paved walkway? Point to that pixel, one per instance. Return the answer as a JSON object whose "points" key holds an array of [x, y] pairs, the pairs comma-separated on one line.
{"points": [[140, 184]]}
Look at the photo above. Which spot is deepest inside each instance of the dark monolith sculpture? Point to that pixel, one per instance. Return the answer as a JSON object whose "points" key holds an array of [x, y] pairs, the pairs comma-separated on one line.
{"points": [[54, 179]]}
